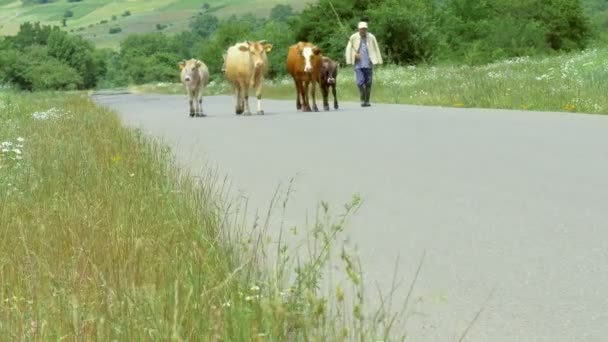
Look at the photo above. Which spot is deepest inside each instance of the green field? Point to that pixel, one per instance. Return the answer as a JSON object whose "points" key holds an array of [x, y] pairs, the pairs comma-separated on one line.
{"points": [[145, 14]]}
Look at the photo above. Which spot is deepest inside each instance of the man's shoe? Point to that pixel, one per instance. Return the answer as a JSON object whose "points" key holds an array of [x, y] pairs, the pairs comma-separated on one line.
{"points": [[367, 94]]}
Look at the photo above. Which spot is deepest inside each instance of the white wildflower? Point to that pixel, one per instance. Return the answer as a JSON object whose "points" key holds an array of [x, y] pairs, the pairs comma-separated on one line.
{"points": [[51, 113], [250, 298], [255, 288], [20, 139], [17, 151]]}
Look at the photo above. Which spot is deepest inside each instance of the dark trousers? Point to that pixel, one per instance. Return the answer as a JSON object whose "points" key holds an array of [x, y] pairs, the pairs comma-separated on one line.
{"points": [[364, 76]]}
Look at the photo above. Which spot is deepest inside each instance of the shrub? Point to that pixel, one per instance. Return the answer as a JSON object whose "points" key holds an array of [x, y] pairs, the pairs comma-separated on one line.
{"points": [[114, 30]]}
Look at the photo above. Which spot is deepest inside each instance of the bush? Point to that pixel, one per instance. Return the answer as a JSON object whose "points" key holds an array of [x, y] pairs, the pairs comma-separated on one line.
{"points": [[50, 74], [70, 59], [114, 30], [407, 30]]}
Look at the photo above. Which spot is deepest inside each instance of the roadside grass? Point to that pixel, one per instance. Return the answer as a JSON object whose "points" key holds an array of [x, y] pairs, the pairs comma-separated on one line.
{"points": [[102, 237], [575, 82]]}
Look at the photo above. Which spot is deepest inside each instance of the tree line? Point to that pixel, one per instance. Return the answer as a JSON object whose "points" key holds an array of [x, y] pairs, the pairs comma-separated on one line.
{"points": [[469, 32]]}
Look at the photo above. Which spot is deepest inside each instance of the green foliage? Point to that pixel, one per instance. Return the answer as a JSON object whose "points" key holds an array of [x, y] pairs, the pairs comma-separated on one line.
{"points": [[77, 53], [149, 58], [408, 30], [36, 2], [204, 25], [42, 57], [479, 32], [281, 13]]}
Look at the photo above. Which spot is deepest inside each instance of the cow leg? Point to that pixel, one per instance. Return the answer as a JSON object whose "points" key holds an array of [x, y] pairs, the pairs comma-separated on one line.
{"points": [[333, 90], [239, 95], [314, 96], [325, 93], [258, 94], [305, 105], [298, 94], [200, 102], [191, 101], [245, 87]]}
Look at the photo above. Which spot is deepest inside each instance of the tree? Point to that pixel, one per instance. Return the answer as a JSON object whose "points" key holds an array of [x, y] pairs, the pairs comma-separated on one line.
{"points": [[204, 25], [281, 13]]}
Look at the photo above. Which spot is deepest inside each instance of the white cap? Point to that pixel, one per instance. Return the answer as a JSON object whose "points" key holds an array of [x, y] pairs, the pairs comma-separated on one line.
{"points": [[362, 24]]}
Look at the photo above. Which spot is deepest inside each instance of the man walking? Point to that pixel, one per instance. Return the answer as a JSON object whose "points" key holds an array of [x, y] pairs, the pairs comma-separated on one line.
{"points": [[362, 50]]}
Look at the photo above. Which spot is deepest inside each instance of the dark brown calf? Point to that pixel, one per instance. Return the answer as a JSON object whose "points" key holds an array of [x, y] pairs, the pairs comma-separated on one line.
{"points": [[329, 75]]}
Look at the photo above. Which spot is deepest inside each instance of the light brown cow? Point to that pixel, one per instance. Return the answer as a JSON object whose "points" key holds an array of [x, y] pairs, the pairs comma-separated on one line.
{"points": [[245, 65], [304, 64], [195, 78]]}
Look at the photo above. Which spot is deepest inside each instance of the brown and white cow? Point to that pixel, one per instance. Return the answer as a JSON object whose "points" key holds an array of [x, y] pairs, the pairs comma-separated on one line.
{"points": [[304, 63], [195, 78], [245, 65], [329, 75]]}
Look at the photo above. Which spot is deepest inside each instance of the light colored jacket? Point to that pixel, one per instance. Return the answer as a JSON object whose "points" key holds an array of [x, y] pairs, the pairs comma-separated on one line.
{"points": [[353, 46]]}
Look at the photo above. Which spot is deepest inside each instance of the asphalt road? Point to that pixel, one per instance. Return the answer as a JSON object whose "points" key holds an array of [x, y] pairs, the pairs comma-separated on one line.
{"points": [[510, 201]]}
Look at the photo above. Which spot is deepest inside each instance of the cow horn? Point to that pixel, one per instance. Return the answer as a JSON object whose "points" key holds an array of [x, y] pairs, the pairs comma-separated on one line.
{"points": [[263, 41]]}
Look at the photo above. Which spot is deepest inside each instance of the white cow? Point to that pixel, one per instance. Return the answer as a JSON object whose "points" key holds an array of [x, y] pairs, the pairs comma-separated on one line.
{"points": [[195, 78]]}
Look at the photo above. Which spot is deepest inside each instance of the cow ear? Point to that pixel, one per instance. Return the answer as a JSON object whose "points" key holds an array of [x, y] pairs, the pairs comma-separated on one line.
{"points": [[316, 51], [243, 48], [268, 47], [198, 64], [182, 64]]}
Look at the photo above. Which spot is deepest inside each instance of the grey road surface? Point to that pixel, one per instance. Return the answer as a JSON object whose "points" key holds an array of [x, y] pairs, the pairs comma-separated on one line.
{"points": [[505, 201]]}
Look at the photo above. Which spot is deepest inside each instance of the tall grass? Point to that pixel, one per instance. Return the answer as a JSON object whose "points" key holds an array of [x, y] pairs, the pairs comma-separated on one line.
{"points": [[103, 238], [575, 82]]}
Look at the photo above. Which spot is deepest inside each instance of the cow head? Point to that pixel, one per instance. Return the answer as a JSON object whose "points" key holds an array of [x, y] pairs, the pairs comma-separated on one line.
{"points": [[329, 70], [257, 51], [189, 69], [310, 53]]}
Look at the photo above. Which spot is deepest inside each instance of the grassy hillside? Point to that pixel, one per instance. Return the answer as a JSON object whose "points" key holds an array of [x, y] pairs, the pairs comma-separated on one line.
{"points": [[93, 18]]}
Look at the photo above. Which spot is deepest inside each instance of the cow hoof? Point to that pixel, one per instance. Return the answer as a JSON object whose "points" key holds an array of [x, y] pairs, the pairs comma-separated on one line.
{"points": [[247, 113], [336, 107], [326, 108], [261, 112]]}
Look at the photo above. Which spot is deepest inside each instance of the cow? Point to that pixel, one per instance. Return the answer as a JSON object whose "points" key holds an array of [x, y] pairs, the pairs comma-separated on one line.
{"points": [[245, 66], [329, 75], [304, 63], [195, 78]]}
